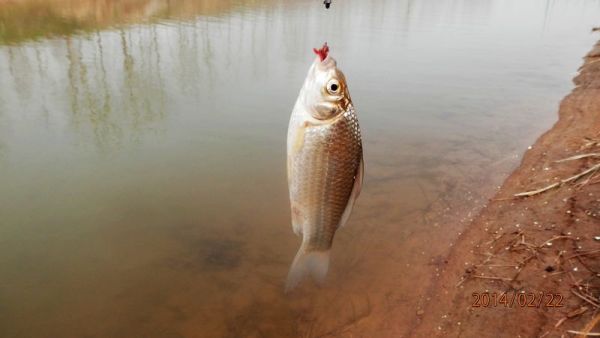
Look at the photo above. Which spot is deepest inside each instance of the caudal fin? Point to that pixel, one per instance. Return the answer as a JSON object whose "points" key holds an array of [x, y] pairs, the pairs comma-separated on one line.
{"points": [[315, 263]]}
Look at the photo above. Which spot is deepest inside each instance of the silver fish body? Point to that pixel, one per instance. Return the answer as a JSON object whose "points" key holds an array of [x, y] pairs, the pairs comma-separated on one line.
{"points": [[325, 166]]}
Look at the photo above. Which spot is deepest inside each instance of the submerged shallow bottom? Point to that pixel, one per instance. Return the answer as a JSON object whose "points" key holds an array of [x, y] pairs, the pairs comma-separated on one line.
{"points": [[161, 267]]}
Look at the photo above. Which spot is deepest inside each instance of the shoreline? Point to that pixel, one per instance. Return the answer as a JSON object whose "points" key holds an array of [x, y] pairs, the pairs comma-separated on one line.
{"points": [[541, 243]]}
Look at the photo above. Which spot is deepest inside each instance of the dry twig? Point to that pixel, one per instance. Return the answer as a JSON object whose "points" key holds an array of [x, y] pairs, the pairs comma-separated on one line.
{"points": [[586, 330], [557, 184], [585, 253], [492, 277], [586, 298], [584, 334], [577, 157]]}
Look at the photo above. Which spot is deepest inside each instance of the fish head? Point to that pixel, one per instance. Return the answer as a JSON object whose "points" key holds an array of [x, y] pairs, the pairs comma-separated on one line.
{"points": [[325, 93]]}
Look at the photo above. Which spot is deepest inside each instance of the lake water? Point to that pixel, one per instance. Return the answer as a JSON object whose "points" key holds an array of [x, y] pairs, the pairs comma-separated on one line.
{"points": [[142, 155]]}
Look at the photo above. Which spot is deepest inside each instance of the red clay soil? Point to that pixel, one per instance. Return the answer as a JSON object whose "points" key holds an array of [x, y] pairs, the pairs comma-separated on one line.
{"points": [[530, 266]]}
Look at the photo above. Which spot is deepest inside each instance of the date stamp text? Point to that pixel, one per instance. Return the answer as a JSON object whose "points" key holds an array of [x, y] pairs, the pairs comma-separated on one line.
{"points": [[516, 299]]}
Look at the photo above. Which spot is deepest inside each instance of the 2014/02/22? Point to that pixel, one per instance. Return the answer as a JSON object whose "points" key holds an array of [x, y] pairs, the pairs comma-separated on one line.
{"points": [[517, 299]]}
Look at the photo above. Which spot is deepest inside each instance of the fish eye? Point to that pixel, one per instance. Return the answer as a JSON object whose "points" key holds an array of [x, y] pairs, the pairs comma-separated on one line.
{"points": [[333, 86]]}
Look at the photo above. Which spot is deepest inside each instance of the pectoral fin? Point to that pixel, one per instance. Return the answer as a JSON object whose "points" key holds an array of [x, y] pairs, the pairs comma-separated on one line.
{"points": [[297, 143], [298, 140]]}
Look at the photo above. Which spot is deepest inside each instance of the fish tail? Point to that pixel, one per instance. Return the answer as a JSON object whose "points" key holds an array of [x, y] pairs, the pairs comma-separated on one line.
{"points": [[315, 263]]}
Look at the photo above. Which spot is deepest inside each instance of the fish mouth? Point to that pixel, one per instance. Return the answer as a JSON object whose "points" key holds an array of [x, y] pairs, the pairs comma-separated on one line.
{"points": [[326, 64]]}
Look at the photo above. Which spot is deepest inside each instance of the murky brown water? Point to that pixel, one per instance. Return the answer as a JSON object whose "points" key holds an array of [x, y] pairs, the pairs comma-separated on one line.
{"points": [[142, 155]]}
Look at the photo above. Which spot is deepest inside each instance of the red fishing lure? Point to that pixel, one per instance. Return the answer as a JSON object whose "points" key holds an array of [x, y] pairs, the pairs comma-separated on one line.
{"points": [[323, 52]]}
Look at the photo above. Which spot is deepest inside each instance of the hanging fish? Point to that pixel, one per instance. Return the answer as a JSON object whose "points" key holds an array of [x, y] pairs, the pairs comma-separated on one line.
{"points": [[324, 163]]}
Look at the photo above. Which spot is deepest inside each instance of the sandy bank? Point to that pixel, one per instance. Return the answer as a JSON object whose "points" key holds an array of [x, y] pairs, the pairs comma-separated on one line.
{"points": [[538, 245]]}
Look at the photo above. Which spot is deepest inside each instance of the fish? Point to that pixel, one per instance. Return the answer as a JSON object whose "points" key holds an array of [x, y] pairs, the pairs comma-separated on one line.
{"points": [[325, 166]]}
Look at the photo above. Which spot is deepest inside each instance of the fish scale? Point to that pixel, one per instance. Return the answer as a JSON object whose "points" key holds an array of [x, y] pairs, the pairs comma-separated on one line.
{"points": [[328, 163]]}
